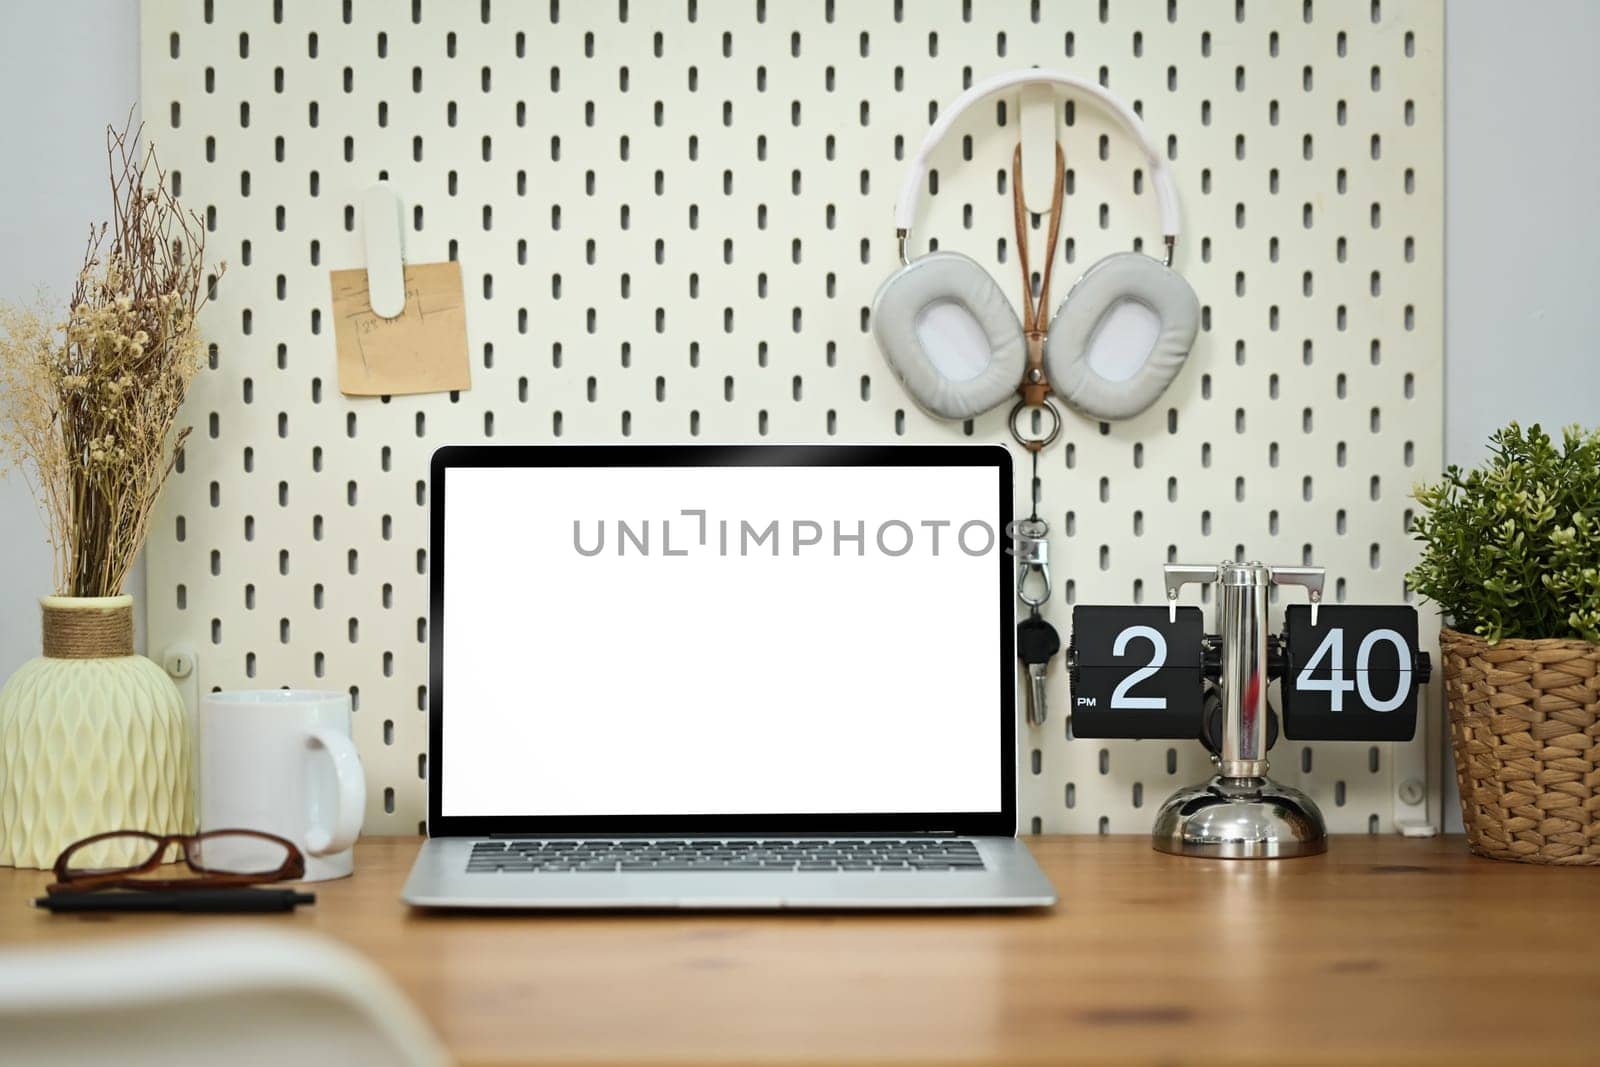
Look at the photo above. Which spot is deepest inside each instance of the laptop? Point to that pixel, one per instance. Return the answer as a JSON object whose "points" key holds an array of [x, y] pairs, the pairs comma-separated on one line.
{"points": [[723, 676]]}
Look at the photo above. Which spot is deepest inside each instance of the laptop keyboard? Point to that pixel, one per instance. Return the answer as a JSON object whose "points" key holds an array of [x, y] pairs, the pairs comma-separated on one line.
{"points": [[745, 854]]}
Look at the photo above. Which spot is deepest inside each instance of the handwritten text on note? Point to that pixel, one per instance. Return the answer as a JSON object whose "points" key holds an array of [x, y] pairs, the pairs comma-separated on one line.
{"points": [[421, 350]]}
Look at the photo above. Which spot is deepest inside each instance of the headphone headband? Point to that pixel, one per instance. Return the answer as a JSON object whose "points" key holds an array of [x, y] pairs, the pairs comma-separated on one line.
{"points": [[1160, 173]]}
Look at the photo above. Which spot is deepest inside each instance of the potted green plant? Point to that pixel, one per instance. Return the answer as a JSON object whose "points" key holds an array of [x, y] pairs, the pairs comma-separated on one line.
{"points": [[93, 737], [1511, 554]]}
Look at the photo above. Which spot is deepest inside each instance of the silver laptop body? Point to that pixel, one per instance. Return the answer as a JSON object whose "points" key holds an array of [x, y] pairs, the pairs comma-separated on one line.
{"points": [[731, 677]]}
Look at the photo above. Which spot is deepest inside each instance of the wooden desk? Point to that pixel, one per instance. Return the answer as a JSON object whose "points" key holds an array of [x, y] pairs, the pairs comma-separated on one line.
{"points": [[1384, 949]]}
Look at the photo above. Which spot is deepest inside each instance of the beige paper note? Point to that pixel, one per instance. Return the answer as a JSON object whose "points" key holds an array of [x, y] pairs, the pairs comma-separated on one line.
{"points": [[421, 350]]}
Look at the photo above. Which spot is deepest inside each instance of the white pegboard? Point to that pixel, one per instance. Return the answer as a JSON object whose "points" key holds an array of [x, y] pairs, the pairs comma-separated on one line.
{"points": [[672, 219]]}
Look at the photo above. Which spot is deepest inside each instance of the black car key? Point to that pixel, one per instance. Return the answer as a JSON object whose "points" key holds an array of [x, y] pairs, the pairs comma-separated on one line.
{"points": [[1037, 641]]}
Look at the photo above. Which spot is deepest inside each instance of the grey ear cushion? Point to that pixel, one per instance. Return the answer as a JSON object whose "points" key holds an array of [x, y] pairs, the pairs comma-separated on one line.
{"points": [[1119, 277], [948, 277]]}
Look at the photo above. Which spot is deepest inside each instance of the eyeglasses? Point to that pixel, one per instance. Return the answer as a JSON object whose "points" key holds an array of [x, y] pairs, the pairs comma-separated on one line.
{"points": [[216, 858]]}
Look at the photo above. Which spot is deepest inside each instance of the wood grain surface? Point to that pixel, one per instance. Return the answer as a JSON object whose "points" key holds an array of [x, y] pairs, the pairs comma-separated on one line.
{"points": [[1383, 950]]}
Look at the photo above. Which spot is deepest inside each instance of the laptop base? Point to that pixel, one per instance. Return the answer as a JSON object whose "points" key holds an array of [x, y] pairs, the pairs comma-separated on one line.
{"points": [[1009, 878]]}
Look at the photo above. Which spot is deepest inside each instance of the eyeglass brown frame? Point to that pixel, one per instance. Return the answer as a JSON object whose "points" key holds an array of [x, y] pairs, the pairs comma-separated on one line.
{"points": [[68, 881]]}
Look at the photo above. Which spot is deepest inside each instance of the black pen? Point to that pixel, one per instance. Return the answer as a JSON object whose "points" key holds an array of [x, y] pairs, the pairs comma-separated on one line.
{"points": [[194, 900]]}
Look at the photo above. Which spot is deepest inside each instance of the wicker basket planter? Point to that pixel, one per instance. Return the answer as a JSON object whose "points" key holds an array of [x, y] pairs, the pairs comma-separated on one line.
{"points": [[1525, 727]]}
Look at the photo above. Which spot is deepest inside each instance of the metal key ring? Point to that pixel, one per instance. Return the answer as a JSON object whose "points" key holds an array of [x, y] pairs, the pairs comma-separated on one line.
{"points": [[1036, 443]]}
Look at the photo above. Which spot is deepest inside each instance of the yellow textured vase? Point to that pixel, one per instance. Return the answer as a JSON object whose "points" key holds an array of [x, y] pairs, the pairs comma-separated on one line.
{"points": [[92, 738]]}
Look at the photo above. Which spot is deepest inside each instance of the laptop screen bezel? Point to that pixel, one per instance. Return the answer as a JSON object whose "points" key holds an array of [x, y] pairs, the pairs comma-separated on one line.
{"points": [[995, 457]]}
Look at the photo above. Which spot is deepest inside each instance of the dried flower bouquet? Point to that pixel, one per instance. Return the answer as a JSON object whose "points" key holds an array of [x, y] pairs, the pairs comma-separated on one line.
{"points": [[88, 406]]}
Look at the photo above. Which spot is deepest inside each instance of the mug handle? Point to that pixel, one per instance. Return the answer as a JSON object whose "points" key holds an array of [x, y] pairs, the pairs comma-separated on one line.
{"points": [[351, 785]]}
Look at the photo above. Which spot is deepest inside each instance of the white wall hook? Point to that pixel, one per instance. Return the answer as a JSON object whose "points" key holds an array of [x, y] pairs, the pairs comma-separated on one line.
{"points": [[385, 244], [1036, 125]]}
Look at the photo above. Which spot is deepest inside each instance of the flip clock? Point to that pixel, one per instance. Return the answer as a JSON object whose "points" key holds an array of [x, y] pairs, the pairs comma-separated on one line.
{"points": [[1348, 673]]}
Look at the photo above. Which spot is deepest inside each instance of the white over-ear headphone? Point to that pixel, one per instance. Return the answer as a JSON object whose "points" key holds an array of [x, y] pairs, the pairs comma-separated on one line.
{"points": [[1117, 340]]}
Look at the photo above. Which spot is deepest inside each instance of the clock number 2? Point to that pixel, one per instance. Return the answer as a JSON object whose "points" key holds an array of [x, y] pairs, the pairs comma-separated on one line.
{"points": [[1120, 700]]}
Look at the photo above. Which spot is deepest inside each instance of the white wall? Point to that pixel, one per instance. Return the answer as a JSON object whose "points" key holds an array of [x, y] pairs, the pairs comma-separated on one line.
{"points": [[1522, 218], [66, 69], [1522, 213]]}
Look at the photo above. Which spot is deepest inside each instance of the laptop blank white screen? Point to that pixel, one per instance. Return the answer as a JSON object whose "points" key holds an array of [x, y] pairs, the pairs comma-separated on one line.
{"points": [[609, 650]]}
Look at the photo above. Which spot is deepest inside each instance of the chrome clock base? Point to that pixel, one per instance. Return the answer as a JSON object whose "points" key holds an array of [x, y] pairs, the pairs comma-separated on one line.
{"points": [[1240, 818]]}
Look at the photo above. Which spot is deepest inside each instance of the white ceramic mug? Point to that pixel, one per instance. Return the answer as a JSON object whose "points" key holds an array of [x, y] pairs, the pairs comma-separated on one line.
{"points": [[281, 760]]}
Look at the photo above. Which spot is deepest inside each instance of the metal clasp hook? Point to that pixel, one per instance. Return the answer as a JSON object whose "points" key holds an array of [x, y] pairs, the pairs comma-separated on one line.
{"points": [[1031, 549]]}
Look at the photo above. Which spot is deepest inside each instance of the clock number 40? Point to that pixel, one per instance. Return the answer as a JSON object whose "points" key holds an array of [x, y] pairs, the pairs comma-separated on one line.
{"points": [[1336, 685]]}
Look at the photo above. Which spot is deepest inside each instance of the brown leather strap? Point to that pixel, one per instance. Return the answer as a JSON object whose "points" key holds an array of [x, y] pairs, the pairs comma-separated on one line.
{"points": [[1036, 317], [1035, 386]]}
